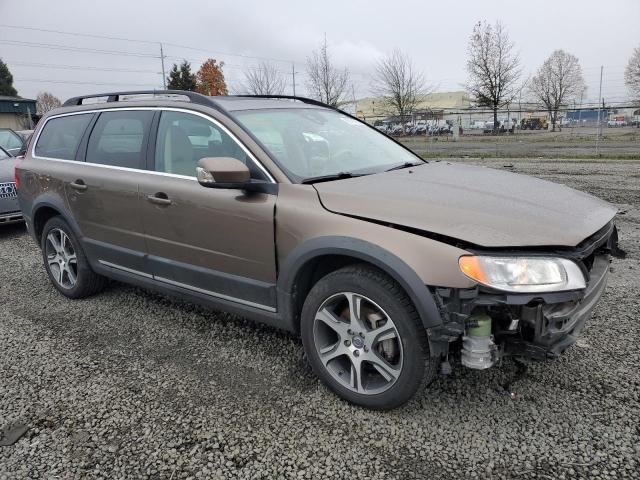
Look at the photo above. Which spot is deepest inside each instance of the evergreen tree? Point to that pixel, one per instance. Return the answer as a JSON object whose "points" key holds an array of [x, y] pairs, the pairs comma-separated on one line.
{"points": [[6, 81], [181, 78]]}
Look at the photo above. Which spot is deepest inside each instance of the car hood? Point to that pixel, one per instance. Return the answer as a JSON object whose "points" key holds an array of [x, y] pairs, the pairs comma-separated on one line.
{"points": [[482, 206], [7, 166]]}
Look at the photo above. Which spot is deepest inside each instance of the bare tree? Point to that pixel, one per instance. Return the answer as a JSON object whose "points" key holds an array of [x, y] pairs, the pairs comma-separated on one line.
{"points": [[493, 67], [558, 81], [632, 73], [265, 79], [325, 82], [398, 83], [46, 101]]}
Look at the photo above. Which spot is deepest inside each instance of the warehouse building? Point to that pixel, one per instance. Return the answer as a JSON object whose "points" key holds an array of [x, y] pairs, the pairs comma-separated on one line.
{"points": [[17, 113]]}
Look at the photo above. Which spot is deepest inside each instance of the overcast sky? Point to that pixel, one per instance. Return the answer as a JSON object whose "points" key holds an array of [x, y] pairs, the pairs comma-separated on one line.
{"points": [[434, 34]]}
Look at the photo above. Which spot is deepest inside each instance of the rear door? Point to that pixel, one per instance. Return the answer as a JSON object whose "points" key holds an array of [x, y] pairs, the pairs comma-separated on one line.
{"points": [[103, 191], [214, 241]]}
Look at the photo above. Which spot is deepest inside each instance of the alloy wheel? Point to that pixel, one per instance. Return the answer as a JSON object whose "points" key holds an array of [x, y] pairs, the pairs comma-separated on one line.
{"points": [[62, 259], [358, 343]]}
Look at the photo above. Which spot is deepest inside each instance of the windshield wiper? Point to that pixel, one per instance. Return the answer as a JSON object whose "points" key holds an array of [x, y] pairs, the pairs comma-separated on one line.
{"points": [[404, 165], [333, 176]]}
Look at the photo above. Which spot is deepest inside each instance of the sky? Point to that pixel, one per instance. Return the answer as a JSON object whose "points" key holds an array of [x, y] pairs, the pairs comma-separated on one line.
{"points": [[359, 32]]}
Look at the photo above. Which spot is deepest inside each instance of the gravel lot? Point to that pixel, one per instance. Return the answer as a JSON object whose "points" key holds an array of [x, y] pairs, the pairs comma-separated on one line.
{"points": [[130, 384]]}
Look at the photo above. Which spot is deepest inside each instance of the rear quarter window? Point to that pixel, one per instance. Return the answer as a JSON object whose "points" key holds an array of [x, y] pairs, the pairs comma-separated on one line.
{"points": [[61, 136]]}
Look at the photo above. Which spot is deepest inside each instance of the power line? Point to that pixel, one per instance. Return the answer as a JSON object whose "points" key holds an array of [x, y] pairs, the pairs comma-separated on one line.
{"points": [[86, 83], [91, 35], [149, 42], [79, 67], [57, 46]]}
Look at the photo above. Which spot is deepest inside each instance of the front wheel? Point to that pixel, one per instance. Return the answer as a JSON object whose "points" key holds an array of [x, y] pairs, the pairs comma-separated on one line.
{"points": [[364, 338]]}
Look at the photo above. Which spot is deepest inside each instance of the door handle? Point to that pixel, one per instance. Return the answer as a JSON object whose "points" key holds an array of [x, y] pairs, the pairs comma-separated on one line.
{"points": [[78, 185], [159, 198]]}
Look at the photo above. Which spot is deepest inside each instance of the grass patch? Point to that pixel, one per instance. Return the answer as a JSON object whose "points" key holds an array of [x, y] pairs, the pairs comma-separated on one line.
{"points": [[458, 154]]}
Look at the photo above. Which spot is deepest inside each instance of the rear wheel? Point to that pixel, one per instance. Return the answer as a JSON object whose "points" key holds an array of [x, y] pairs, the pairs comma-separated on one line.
{"points": [[364, 338], [66, 263]]}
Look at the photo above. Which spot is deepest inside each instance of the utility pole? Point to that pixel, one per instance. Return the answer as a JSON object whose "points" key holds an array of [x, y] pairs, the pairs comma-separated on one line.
{"points": [[580, 111], [164, 76], [293, 75], [599, 130], [355, 105]]}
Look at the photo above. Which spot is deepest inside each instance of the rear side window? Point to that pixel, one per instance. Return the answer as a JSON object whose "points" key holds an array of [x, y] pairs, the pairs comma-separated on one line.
{"points": [[61, 136], [119, 139]]}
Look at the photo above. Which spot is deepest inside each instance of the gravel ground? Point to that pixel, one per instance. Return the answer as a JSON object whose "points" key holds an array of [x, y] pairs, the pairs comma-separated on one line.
{"points": [[130, 384]]}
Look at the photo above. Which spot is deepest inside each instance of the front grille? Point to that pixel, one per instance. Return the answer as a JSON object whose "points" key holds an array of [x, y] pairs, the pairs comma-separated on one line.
{"points": [[8, 190]]}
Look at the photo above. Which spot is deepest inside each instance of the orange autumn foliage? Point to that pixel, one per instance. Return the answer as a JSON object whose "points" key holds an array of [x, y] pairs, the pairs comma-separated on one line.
{"points": [[210, 79]]}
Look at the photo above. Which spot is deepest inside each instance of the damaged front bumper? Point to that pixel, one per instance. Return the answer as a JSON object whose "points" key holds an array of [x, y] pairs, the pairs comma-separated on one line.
{"points": [[537, 326]]}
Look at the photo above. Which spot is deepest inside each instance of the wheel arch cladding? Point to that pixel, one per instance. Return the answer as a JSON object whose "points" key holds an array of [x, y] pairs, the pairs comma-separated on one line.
{"points": [[340, 251], [46, 209]]}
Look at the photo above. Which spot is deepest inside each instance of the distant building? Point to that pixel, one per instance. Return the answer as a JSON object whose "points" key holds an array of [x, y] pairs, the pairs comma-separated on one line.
{"points": [[587, 115], [429, 106], [17, 113]]}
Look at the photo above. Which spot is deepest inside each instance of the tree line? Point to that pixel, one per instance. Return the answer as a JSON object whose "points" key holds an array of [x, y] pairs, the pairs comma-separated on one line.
{"points": [[493, 66]]}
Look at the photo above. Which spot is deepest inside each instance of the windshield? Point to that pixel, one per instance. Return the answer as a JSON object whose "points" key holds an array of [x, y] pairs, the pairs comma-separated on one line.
{"points": [[314, 142], [10, 140]]}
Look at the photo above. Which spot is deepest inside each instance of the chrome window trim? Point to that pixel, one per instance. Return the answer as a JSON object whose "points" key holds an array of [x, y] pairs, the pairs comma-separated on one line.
{"points": [[171, 109]]}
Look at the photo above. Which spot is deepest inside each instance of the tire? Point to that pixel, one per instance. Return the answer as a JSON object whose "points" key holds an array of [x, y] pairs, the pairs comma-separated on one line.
{"points": [[67, 264], [393, 359]]}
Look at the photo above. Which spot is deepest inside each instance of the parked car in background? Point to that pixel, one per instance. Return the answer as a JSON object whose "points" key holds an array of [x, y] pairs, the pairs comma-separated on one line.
{"points": [[11, 141], [9, 209], [296, 214], [616, 123], [25, 134]]}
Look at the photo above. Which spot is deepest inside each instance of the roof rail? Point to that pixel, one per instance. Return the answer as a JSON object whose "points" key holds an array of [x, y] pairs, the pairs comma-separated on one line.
{"points": [[310, 101], [115, 97]]}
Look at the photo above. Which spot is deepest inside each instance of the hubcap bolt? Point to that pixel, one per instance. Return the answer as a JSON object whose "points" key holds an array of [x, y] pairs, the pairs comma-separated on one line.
{"points": [[357, 353], [366, 349], [349, 331], [361, 334], [347, 342]]}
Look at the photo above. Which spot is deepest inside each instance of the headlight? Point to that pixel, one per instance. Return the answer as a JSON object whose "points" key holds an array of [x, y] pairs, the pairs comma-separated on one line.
{"points": [[523, 274]]}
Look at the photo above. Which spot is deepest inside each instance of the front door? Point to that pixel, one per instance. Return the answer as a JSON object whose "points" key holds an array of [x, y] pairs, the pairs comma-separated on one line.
{"points": [[103, 191], [213, 241]]}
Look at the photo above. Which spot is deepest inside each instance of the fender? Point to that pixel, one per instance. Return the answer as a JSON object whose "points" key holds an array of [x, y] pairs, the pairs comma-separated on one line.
{"points": [[362, 250]]}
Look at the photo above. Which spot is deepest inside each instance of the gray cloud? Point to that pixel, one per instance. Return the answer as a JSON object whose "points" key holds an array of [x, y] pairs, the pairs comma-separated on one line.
{"points": [[435, 34]]}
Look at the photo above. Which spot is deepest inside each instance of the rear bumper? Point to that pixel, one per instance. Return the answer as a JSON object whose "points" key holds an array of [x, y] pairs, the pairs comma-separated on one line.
{"points": [[11, 217]]}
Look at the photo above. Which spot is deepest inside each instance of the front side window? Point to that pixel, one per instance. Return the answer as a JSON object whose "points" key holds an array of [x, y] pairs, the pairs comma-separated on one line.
{"points": [[61, 136], [119, 139], [184, 138], [311, 142]]}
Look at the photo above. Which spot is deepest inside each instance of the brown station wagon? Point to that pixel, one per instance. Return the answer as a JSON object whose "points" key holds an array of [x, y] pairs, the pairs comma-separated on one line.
{"points": [[296, 214]]}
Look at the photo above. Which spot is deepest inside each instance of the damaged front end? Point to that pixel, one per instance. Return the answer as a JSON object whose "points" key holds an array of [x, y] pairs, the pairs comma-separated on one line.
{"points": [[482, 325]]}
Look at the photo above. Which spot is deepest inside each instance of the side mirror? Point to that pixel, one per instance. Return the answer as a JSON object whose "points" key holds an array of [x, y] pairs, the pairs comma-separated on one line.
{"points": [[222, 172]]}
